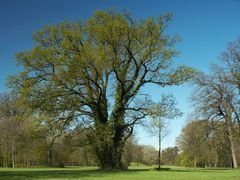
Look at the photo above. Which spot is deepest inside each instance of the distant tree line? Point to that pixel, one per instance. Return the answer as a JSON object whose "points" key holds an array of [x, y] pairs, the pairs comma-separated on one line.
{"points": [[202, 146], [28, 140]]}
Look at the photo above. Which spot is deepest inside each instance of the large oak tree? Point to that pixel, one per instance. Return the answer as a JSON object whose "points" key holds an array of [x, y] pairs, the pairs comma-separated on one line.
{"points": [[94, 70], [160, 114]]}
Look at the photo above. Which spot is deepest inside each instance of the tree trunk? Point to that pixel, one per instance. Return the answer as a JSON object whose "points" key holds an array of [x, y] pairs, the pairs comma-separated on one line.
{"points": [[216, 160], [195, 161], [108, 145], [159, 146], [232, 142], [13, 158], [13, 152], [50, 157], [216, 155], [110, 158]]}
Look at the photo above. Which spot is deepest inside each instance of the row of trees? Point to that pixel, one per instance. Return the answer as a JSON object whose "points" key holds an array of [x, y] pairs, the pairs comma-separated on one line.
{"points": [[216, 139], [28, 140], [202, 146], [34, 140]]}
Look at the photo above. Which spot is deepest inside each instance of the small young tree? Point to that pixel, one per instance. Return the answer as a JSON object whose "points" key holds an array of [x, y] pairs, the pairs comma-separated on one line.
{"points": [[160, 113]]}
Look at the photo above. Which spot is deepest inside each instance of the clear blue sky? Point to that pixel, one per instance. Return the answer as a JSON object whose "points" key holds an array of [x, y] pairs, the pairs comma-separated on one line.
{"points": [[206, 26]]}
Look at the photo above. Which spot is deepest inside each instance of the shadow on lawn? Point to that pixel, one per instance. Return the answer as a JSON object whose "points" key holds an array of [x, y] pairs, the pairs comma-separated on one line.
{"points": [[46, 174], [76, 173], [58, 173]]}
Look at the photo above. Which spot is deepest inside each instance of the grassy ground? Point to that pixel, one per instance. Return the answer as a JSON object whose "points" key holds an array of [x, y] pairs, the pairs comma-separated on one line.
{"points": [[134, 173]]}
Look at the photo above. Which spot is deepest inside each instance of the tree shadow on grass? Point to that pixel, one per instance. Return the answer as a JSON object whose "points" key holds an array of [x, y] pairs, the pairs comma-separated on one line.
{"points": [[73, 173], [47, 174], [10, 174]]}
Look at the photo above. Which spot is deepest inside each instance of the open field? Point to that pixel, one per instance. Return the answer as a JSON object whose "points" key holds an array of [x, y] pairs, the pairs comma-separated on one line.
{"points": [[134, 173]]}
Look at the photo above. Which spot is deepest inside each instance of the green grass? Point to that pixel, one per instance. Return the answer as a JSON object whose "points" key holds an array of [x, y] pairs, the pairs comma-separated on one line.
{"points": [[134, 173]]}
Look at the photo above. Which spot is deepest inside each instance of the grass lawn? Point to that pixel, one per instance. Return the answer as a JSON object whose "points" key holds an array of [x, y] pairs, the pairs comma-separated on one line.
{"points": [[134, 173]]}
